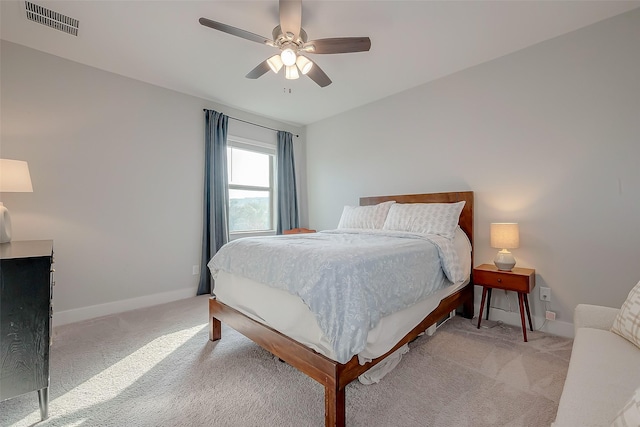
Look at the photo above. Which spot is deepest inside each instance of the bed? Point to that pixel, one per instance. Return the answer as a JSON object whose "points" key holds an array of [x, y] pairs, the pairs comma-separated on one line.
{"points": [[335, 372]]}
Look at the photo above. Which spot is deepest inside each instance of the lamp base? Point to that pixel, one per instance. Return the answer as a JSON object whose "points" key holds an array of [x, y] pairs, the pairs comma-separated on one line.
{"points": [[504, 260], [5, 224]]}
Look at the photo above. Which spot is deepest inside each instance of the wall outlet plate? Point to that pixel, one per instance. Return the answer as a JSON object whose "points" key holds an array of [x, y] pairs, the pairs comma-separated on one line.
{"points": [[550, 315], [545, 294], [195, 270]]}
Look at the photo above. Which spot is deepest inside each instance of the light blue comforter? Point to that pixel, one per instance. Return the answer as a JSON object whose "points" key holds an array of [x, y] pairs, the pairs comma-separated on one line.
{"points": [[349, 279]]}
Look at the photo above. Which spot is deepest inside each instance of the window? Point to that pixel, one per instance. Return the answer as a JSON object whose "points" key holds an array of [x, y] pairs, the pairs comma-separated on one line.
{"points": [[250, 167]]}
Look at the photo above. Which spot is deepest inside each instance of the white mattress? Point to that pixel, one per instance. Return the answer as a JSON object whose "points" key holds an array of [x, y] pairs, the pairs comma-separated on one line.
{"points": [[289, 315]]}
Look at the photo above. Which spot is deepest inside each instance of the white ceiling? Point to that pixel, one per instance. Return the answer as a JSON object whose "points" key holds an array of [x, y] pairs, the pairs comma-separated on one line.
{"points": [[413, 42]]}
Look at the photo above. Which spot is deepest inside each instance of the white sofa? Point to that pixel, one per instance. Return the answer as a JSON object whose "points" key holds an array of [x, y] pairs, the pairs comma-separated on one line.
{"points": [[604, 371]]}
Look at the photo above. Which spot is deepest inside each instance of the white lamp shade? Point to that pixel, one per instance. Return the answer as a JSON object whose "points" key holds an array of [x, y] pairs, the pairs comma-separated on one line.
{"points": [[291, 72], [275, 63], [505, 235], [288, 57], [304, 63], [14, 177]]}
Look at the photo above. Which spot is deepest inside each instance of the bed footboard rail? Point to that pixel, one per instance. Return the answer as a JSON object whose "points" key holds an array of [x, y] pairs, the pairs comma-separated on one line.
{"points": [[332, 375], [322, 369]]}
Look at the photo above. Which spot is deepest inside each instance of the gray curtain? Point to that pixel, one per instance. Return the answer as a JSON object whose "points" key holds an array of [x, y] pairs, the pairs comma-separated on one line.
{"points": [[288, 217], [215, 232]]}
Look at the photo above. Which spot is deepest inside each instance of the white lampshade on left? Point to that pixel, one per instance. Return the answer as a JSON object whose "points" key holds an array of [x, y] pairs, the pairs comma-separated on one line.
{"points": [[14, 178], [275, 63]]}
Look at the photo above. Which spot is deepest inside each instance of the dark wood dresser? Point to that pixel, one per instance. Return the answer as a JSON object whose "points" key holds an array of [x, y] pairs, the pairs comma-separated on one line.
{"points": [[26, 288]]}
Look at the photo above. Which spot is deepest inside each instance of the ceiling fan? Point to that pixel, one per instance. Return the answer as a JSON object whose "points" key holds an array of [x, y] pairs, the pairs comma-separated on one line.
{"points": [[292, 41]]}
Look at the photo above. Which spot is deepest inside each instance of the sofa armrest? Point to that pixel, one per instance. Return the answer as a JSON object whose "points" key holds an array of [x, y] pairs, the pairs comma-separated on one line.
{"points": [[594, 316]]}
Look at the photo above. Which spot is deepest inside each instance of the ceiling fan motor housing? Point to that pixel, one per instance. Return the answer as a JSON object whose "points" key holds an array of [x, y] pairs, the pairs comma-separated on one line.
{"points": [[282, 41]]}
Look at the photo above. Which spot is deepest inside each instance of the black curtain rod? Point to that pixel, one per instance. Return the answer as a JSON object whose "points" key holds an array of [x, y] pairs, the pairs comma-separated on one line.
{"points": [[255, 124]]}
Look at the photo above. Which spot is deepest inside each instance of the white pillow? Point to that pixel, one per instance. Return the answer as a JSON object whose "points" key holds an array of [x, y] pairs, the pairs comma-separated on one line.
{"points": [[371, 217], [629, 415], [426, 218], [627, 322]]}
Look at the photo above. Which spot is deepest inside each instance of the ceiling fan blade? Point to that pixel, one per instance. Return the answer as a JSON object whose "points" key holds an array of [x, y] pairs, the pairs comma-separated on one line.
{"points": [[338, 45], [317, 75], [234, 31], [290, 16], [262, 68]]}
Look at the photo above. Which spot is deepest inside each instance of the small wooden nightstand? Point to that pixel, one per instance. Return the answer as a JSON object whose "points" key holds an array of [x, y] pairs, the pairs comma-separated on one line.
{"points": [[298, 231], [520, 280]]}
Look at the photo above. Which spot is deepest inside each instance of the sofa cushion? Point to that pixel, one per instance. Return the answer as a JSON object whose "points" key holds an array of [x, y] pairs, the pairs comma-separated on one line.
{"points": [[593, 316], [627, 323], [603, 373], [629, 415]]}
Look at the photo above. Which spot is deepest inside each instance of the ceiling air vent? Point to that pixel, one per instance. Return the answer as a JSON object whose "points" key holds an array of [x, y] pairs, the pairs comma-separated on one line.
{"points": [[51, 19]]}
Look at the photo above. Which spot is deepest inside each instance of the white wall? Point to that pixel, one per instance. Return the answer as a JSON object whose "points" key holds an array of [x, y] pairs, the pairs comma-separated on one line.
{"points": [[548, 137], [117, 171]]}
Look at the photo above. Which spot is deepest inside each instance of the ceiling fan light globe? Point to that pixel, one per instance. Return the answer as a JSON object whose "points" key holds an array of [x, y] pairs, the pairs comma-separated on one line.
{"points": [[304, 64], [291, 72], [275, 63], [288, 57]]}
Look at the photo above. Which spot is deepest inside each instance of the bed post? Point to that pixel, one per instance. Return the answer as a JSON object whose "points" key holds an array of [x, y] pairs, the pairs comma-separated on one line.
{"points": [[467, 305], [215, 327], [334, 405]]}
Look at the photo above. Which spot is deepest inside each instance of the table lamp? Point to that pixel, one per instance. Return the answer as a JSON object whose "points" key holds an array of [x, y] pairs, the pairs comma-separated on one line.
{"points": [[505, 236], [14, 178]]}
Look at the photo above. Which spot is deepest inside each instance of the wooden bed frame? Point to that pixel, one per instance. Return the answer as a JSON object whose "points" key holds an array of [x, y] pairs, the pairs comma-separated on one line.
{"points": [[332, 375]]}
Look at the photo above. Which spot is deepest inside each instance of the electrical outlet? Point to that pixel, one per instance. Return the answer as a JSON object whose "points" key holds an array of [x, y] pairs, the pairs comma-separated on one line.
{"points": [[545, 294], [550, 315], [195, 270]]}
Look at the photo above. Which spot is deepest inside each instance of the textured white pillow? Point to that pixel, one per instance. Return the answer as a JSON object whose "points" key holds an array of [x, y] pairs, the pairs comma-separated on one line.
{"points": [[629, 415], [627, 322], [371, 217], [427, 218]]}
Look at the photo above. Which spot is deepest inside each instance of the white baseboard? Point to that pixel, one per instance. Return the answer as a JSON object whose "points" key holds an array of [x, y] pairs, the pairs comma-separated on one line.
{"points": [[563, 329], [99, 310], [555, 327]]}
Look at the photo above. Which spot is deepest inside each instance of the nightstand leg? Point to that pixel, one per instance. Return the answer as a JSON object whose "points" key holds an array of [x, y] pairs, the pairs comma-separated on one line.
{"points": [[484, 297], [488, 303], [524, 326], [526, 304]]}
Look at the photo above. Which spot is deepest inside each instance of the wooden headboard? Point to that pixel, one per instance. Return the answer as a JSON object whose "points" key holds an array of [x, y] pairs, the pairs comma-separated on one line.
{"points": [[466, 217]]}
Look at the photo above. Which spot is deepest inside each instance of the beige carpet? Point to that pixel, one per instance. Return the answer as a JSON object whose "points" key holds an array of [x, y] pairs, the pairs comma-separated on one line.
{"points": [[156, 367]]}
